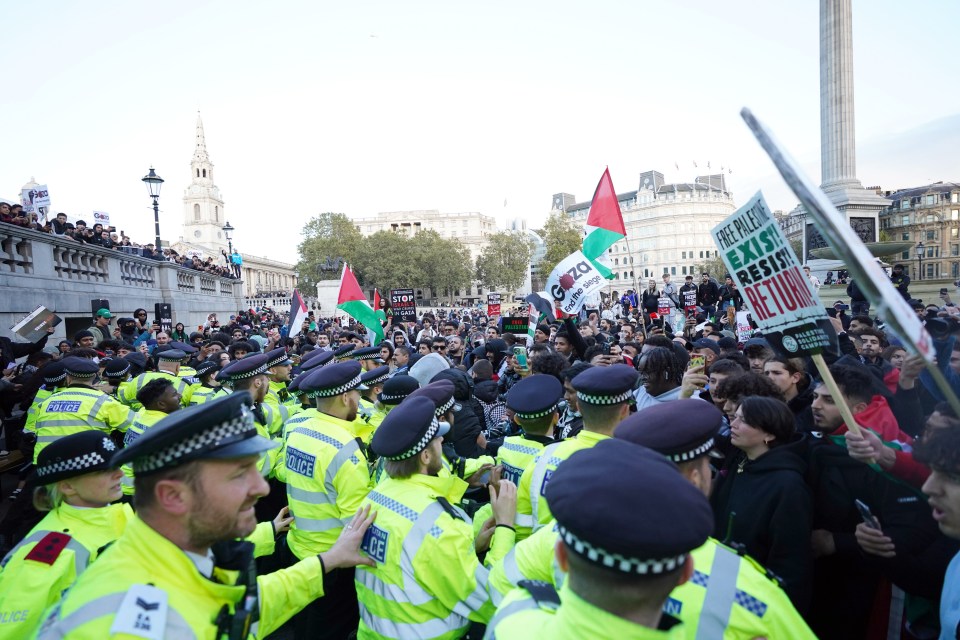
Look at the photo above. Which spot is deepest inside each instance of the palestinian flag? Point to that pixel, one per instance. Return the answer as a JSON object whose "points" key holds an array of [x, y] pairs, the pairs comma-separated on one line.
{"points": [[381, 314], [604, 225], [353, 303], [298, 313]]}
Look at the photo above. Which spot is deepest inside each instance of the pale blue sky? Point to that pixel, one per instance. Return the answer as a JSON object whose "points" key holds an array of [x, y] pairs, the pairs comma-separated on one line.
{"points": [[381, 106]]}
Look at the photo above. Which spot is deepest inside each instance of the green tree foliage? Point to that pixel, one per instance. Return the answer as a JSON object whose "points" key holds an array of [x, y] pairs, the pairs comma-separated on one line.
{"points": [[445, 263], [504, 261], [561, 237], [327, 235]]}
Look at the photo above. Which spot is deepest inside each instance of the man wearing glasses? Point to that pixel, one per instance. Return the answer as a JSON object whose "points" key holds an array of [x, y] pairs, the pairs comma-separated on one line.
{"points": [[439, 346]]}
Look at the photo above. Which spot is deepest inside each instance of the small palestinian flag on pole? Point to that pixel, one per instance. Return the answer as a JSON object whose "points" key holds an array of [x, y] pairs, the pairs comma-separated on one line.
{"points": [[353, 303], [604, 225], [298, 313]]}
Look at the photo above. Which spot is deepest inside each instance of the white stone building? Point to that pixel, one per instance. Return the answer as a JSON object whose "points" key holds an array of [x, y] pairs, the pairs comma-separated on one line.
{"points": [[204, 216], [668, 227]]}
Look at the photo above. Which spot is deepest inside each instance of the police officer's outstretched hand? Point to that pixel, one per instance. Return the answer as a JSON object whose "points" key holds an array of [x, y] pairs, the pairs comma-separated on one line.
{"points": [[281, 524], [503, 499], [345, 552]]}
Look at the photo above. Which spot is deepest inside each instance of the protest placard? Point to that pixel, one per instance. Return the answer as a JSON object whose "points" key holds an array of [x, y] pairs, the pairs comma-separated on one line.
{"points": [[689, 303], [35, 325], [493, 304], [102, 217], [663, 306], [404, 305], [516, 325], [765, 269], [572, 280], [36, 200]]}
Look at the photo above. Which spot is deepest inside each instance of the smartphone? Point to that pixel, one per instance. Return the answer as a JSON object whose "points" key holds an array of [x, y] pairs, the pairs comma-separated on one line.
{"points": [[485, 478], [696, 360], [520, 353], [868, 518]]}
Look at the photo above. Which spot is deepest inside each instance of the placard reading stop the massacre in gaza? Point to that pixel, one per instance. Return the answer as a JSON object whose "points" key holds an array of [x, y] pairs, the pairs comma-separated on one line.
{"points": [[768, 274]]}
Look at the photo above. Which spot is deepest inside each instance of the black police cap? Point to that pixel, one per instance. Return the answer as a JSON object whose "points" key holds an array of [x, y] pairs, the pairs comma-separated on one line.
{"points": [[74, 455], [317, 359], [183, 346], [219, 428], [248, 367], [397, 388], [535, 396], [53, 372], [375, 376], [80, 367], [606, 385], [682, 430], [277, 357], [116, 368], [667, 517], [408, 429], [170, 354], [332, 380], [366, 353], [441, 394], [340, 353]]}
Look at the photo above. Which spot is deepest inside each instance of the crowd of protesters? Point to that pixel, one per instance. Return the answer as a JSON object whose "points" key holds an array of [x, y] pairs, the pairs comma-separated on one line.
{"points": [[837, 516]]}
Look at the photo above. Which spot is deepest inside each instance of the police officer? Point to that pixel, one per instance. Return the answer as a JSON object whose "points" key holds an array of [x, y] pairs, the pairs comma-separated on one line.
{"points": [[603, 395], [209, 386], [395, 390], [168, 365], [186, 371], [327, 478], [159, 399], [369, 357], [622, 563], [730, 596], [115, 372], [78, 407], [178, 571], [250, 374], [534, 402], [76, 487], [427, 581], [342, 352], [279, 367], [369, 415], [54, 377]]}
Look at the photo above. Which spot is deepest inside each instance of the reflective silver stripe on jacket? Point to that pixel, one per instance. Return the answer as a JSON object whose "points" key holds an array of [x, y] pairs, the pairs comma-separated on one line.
{"points": [[177, 626], [721, 592], [539, 473], [412, 631], [345, 452], [81, 556], [507, 611], [519, 448]]}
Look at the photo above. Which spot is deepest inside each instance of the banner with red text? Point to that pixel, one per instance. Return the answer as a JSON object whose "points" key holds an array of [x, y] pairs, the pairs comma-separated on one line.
{"points": [[768, 274]]}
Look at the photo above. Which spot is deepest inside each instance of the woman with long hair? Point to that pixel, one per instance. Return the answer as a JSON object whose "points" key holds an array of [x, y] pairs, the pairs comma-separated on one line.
{"points": [[179, 334]]}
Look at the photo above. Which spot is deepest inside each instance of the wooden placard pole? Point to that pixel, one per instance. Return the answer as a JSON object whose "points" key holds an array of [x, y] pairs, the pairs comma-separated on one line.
{"points": [[838, 398]]}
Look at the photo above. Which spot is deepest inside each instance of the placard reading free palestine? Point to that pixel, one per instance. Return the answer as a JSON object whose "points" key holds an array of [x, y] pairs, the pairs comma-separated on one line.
{"points": [[768, 274]]}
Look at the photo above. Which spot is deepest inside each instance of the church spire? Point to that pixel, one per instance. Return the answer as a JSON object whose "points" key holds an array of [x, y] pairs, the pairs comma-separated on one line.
{"points": [[200, 153]]}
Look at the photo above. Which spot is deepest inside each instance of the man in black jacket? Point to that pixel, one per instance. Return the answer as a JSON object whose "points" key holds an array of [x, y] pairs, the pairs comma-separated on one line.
{"points": [[708, 294], [11, 351]]}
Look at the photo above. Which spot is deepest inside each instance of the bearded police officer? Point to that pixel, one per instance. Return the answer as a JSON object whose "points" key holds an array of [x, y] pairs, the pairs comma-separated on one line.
{"points": [[428, 582], [604, 395], [178, 570], [327, 478], [534, 401], [78, 407], [622, 563], [730, 596], [279, 367]]}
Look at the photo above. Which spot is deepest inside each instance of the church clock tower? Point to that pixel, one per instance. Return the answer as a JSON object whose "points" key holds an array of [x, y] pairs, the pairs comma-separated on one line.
{"points": [[203, 211]]}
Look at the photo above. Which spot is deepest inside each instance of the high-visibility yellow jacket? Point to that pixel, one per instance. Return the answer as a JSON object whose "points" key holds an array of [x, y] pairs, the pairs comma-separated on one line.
{"points": [[35, 573], [279, 402], [127, 392], [367, 421], [42, 394], [148, 585], [428, 582], [523, 616], [730, 595], [517, 452], [144, 419], [532, 509], [75, 409], [202, 393], [327, 478]]}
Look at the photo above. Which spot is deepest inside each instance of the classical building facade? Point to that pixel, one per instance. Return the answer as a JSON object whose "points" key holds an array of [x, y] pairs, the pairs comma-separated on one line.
{"points": [[929, 214], [204, 216], [668, 227], [471, 228]]}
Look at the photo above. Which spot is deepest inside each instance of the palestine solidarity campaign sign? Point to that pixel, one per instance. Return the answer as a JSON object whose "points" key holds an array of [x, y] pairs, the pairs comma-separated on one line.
{"points": [[768, 273]]}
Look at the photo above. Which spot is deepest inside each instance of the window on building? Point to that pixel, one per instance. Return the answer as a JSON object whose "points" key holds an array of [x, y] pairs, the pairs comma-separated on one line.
{"points": [[955, 197], [955, 249], [683, 271], [216, 212], [196, 213], [701, 255], [931, 200], [624, 275], [955, 269], [666, 271], [931, 218], [198, 173], [905, 236], [905, 220], [673, 271], [905, 203], [683, 255], [931, 271], [955, 214], [204, 173], [955, 233], [905, 255], [616, 261], [931, 235]]}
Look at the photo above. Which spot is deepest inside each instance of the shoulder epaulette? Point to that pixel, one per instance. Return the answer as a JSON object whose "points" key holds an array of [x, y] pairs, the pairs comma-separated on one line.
{"points": [[449, 508], [49, 548], [543, 593]]}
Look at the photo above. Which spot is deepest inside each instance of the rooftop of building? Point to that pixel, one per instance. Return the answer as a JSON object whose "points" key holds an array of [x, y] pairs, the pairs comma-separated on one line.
{"points": [[652, 181]]}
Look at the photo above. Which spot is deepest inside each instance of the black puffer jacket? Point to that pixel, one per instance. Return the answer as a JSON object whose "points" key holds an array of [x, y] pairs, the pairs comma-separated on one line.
{"points": [[468, 420]]}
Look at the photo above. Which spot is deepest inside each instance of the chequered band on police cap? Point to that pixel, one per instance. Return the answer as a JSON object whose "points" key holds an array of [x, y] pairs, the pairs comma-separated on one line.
{"points": [[389, 398], [167, 357], [446, 406], [62, 376], [335, 391], [421, 444], [366, 356], [617, 561], [87, 460], [78, 374], [117, 374], [536, 414], [231, 429], [379, 379], [594, 399], [259, 371], [690, 455]]}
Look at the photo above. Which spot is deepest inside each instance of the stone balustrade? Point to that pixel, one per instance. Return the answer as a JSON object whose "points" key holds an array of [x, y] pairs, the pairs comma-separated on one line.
{"points": [[63, 275]]}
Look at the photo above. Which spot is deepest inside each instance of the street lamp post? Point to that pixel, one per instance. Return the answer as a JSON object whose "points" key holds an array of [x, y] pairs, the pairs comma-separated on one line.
{"points": [[228, 234], [154, 182], [920, 250]]}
